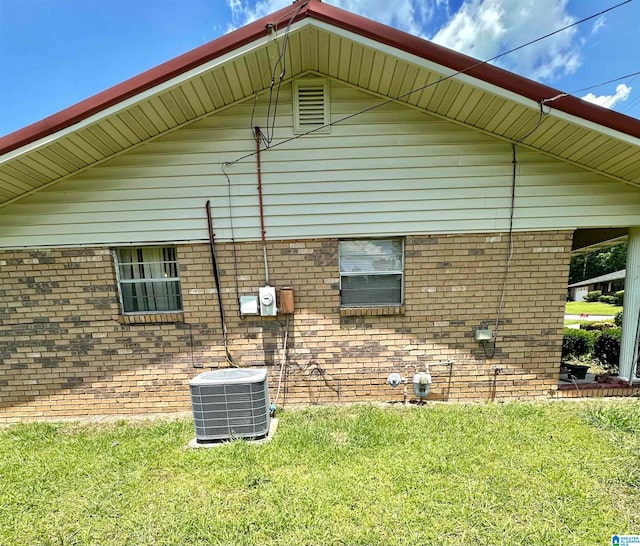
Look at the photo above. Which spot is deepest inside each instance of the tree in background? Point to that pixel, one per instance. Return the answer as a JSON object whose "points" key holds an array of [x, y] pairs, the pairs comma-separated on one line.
{"points": [[599, 262]]}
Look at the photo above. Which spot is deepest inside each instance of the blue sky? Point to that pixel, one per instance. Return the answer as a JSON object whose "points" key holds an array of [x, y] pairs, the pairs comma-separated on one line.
{"points": [[55, 53]]}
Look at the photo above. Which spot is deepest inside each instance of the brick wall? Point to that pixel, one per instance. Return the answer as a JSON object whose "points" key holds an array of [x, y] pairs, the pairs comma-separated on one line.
{"points": [[66, 351]]}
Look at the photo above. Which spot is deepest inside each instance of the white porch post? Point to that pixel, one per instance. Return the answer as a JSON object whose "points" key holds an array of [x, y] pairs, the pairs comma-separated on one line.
{"points": [[631, 305]]}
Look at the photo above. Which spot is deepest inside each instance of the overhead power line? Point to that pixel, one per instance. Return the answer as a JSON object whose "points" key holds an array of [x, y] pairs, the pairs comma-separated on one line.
{"points": [[432, 84], [575, 23], [606, 83]]}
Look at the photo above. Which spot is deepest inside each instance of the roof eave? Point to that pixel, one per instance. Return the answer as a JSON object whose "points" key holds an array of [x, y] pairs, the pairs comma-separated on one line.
{"points": [[147, 80], [615, 276], [491, 74], [339, 18]]}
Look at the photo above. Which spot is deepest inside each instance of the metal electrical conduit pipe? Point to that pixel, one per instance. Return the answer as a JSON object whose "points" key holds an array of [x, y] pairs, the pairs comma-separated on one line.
{"points": [[216, 276], [262, 230]]}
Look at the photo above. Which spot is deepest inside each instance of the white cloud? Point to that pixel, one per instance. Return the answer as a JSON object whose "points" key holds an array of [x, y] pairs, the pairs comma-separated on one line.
{"points": [[609, 101], [597, 25], [480, 28], [412, 16], [486, 28], [245, 11]]}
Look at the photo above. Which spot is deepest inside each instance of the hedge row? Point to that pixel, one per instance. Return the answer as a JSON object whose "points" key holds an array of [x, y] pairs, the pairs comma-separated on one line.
{"points": [[576, 343], [593, 296], [596, 295], [604, 346]]}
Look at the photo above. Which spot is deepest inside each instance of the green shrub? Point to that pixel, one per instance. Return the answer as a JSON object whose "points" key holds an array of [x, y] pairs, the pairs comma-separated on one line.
{"points": [[606, 348], [619, 295], [576, 343], [611, 300], [618, 319], [593, 296], [597, 326]]}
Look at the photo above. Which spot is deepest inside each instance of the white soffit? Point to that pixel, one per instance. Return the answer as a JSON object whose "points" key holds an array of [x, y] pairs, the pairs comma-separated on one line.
{"points": [[472, 81], [139, 98], [323, 49], [482, 103]]}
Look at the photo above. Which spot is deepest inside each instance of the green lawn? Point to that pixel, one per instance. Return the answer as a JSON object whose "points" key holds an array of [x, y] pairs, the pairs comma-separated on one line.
{"points": [[520, 473], [595, 308]]}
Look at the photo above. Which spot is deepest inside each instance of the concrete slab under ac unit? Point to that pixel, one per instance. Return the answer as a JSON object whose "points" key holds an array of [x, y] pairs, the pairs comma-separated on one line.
{"points": [[273, 426]]}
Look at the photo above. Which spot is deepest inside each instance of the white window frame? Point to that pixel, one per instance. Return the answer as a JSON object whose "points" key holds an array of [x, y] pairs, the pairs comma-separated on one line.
{"points": [[146, 280], [372, 273]]}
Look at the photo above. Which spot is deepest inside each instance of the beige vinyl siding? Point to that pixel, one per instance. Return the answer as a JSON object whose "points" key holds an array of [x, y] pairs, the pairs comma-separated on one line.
{"points": [[391, 171]]}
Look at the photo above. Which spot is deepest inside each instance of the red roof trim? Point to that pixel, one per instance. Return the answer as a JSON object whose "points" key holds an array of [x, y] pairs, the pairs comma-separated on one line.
{"points": [[338, 18], [147, 80], [486, 72]]}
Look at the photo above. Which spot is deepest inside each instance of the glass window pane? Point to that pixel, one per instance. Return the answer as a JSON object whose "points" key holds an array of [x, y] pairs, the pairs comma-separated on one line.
{"points": [[145, 275], [370, 256], [371, 290], [151, 296]]}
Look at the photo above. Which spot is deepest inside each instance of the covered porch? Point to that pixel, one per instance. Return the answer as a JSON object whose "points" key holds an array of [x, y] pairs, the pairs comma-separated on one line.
{"points": [[627, 381]]}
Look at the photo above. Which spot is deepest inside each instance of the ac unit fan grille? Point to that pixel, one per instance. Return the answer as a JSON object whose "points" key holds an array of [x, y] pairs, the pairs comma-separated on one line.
{"points": [[227, 411]]}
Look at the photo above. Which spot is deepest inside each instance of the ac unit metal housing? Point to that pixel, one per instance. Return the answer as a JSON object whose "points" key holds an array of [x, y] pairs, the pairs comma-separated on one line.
{"points": [[230, 403]]}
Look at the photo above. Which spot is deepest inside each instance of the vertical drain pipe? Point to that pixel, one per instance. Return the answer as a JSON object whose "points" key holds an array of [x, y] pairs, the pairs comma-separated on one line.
{"points": [[216, 277], [262, 230]]}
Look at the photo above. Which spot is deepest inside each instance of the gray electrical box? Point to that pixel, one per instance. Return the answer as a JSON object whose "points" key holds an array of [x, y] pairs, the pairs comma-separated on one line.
{"points": [[484, 335], [249, 305]]}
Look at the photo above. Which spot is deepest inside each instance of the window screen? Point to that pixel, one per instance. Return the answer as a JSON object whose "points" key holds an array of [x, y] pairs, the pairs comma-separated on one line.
{"points": [[371, 272], [148, 279]]}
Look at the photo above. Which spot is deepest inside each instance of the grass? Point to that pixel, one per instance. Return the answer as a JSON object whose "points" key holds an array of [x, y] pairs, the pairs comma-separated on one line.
{"points": [[595, 308], [520, 473]]}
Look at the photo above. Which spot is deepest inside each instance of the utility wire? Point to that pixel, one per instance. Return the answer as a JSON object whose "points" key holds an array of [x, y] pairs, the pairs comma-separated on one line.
{"points": [[432, 84], [605, 83], [622, 109], [575, 23], [280, 61], [268, 140], [510, 249], [507, 267], [233, 239]]}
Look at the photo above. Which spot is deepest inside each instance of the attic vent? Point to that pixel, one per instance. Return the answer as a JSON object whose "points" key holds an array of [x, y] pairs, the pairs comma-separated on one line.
{"points": [[311, 105]]}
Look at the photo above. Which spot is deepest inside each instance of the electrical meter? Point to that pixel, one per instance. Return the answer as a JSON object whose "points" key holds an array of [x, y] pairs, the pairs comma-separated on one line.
{"points": [[268, 301]]}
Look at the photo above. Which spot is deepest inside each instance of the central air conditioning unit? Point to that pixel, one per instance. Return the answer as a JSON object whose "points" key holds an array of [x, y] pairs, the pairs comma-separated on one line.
{"points": [[230, 403]]}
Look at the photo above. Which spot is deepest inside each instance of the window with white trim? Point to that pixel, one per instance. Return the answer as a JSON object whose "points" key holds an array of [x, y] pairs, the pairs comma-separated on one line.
{"points": [[148, 279], [371, 272]]}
